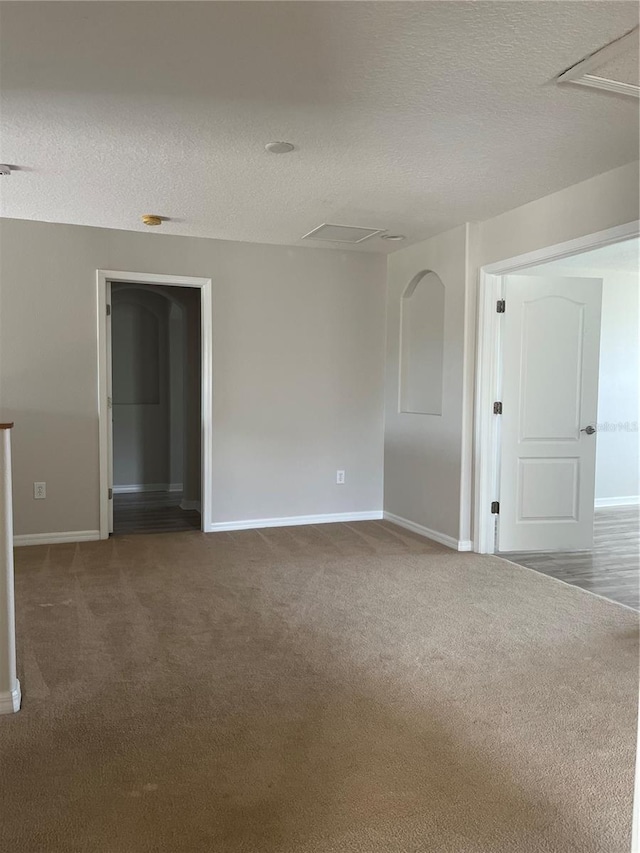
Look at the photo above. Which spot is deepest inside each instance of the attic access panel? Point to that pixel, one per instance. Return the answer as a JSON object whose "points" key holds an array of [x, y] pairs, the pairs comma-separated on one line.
{"points": [[613, 68], [342, 233]]}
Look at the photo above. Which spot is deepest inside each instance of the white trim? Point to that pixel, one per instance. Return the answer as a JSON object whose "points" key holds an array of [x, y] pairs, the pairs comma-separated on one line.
{"points": [[206, 324], [103, 407], [625, 500], [486, 463], [191, 505], [579, 73], [635, 820], [486, 457], [147, 487], [154, 278], [294, 521], [56, 538], [442, 538], [108, 338], [469, 340], [594, 82], [10, 701], [608, 237]]}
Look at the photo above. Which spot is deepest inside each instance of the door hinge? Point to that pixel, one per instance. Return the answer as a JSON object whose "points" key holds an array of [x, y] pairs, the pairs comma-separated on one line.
{"points": [[500, 306], [108, 310], [495, 507], [110, 494], [497, 408]]}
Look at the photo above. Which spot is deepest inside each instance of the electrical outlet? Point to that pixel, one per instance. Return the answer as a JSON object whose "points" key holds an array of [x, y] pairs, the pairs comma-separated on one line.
{"points": [[340, 478], [39, 491]]}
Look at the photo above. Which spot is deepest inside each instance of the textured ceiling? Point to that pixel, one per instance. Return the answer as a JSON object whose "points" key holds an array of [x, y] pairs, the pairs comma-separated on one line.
{"points": [[625, 68], [619, 257], [411, 117]]}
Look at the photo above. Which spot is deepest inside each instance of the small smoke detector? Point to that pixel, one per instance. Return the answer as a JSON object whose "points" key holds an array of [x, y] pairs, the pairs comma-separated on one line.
{"points": [[4, 169], [395, 238], [341, 233], [279, 147], [151, 219]]}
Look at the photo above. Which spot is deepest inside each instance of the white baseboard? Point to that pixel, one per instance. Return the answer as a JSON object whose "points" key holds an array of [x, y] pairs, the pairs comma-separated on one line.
{"points": [[191, 505], [10, 700], [56, 538], [294, 521], [442, 538], [147, 487], [625, 500]]}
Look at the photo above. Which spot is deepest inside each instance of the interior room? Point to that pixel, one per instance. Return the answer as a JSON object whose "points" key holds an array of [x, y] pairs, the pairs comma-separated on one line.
{"points": [[155, 403], [611, 567], [314, 321]]}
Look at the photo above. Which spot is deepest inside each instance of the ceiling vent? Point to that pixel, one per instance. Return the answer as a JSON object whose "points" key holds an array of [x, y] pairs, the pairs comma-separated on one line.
{"points": [[342, 233], [614, 68]]}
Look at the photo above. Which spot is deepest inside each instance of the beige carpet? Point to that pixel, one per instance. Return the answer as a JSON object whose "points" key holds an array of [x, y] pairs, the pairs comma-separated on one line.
{"points": [[313, 690]]}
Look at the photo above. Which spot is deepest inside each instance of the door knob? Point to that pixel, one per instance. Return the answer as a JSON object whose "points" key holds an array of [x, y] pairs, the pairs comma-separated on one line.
{"points": [[589, 430]]}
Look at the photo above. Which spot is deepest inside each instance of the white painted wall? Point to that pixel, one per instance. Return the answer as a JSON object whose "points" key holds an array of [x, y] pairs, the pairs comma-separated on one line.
{"points": [[617, 457], [298, 364]]}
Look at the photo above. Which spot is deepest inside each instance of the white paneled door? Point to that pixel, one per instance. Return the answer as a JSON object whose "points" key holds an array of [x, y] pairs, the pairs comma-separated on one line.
{"points": [[551, 343]]}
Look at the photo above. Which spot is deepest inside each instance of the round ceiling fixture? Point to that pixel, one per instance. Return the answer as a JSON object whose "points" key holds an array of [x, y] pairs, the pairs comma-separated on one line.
{"points": [[279, 147], [394, 237], [151, 219]]}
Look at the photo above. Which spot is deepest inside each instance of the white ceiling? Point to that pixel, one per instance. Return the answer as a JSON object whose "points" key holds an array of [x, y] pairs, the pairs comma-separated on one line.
{"points": [[625, 68], [407, 116], [619, 257]]}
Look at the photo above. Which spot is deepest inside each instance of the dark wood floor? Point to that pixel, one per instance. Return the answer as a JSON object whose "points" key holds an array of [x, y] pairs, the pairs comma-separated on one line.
{"points": [[152, 512], [612, 569]]}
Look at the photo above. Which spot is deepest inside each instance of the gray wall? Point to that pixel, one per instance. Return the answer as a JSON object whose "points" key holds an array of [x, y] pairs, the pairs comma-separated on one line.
{"points": [[423, 452], [298, 364], [428, 459]]}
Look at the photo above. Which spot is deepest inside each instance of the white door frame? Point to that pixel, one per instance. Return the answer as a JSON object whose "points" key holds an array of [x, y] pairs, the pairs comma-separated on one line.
{"points": [[205, 287], [486, 466]]}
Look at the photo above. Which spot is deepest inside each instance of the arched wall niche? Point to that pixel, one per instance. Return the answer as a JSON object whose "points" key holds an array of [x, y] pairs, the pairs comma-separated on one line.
{"points": [[422, 345]]}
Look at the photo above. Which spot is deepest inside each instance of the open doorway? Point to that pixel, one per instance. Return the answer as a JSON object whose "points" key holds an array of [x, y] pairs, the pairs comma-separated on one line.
{"points": [[155, 359], [564, 438], [155, 383], [607, 557]]}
